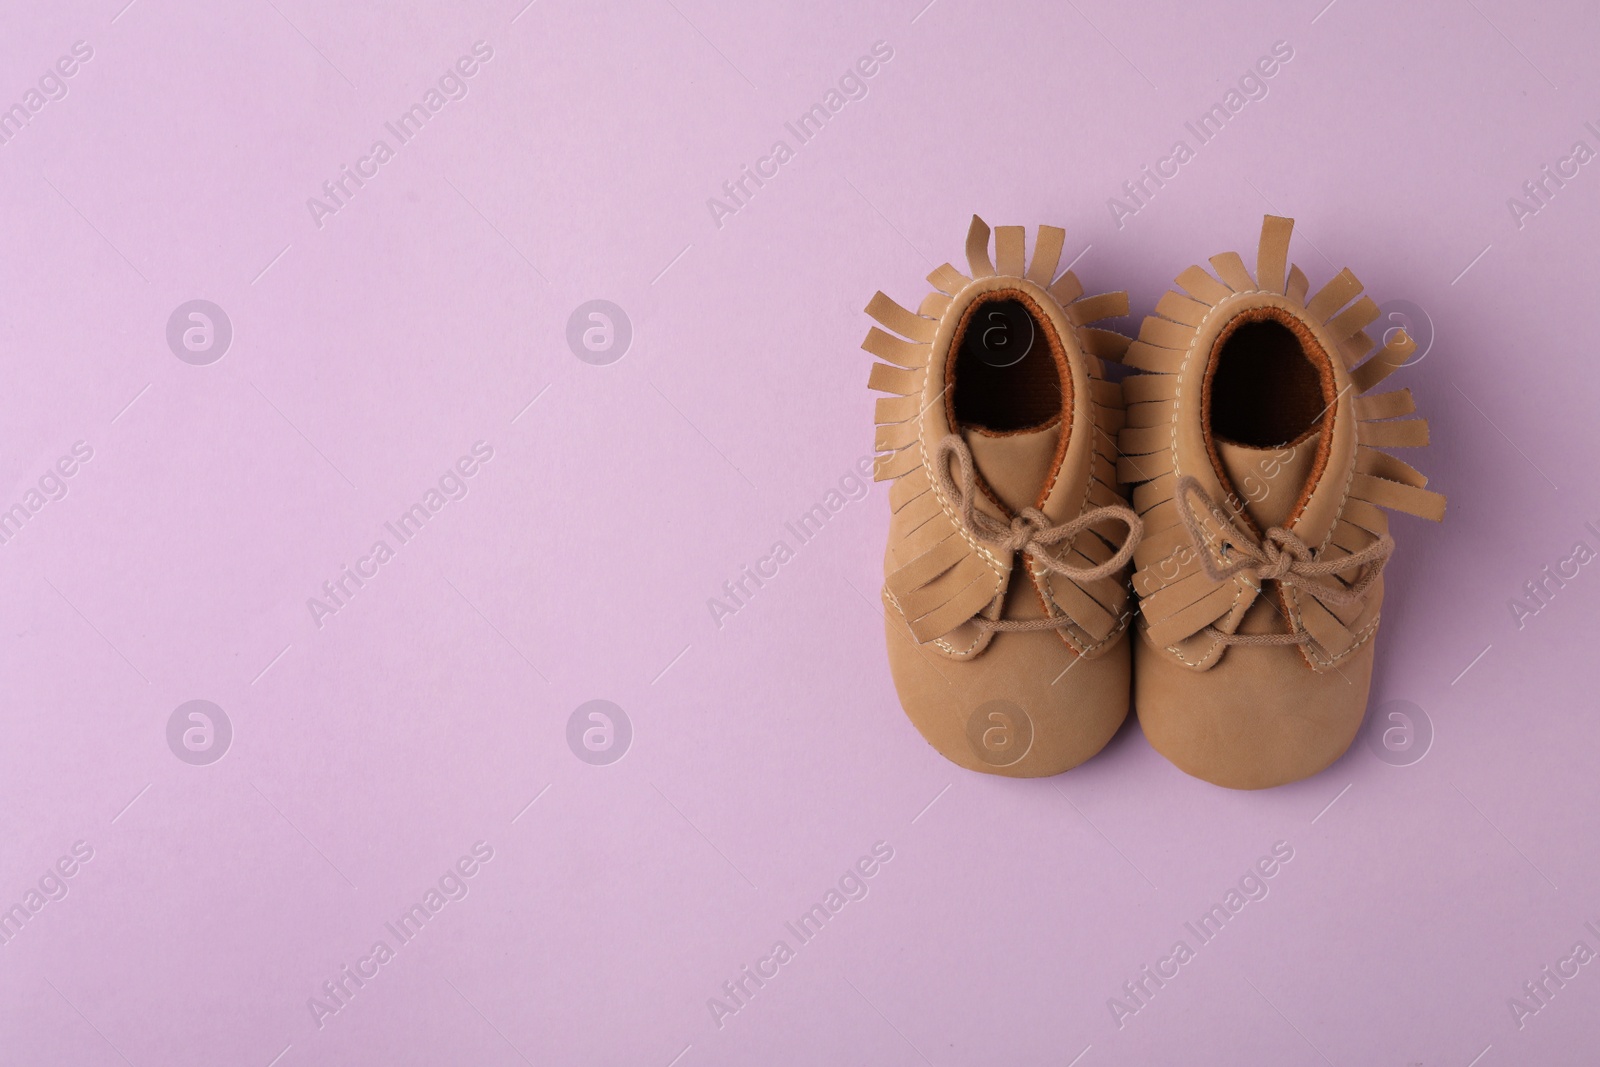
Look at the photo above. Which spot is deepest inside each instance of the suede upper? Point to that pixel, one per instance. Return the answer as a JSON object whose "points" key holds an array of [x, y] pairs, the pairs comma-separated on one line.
{"points": [[1000, 438], [1331, 496], [1256, 448], [940, 575]]}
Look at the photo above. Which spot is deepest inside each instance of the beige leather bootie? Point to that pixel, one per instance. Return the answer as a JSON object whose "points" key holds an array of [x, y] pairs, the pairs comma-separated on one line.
{"points": [[1006, 599], [1257, 448]]}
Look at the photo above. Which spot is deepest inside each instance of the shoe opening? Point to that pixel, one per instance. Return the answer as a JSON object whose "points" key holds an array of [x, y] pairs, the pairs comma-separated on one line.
{"points": [[1269, 382], [1006, 375]]}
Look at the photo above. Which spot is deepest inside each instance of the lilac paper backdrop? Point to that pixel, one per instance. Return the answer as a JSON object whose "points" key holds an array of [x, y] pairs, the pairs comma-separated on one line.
{"points": [[587, 486]]}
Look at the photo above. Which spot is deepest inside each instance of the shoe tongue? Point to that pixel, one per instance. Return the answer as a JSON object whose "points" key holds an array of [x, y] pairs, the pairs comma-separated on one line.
{"points": [[1268, 481], [1014, 464]]}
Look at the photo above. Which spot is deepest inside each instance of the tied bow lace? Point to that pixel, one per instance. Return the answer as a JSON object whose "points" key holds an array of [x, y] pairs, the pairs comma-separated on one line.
{"points": [[1029, 532], [1280, 556]]}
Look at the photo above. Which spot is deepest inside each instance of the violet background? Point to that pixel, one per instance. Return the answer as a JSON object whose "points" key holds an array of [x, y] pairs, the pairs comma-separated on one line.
{"points": [[769, 754]]}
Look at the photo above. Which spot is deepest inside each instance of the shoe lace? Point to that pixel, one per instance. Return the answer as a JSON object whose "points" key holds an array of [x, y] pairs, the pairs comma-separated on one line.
{"points": [[1029, 532], [1279, 556]]}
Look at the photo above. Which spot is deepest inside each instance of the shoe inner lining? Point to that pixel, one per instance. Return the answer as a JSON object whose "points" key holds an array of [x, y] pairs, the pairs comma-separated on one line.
{"points": [[1268, 383], [990, 392], [1263, 390]]}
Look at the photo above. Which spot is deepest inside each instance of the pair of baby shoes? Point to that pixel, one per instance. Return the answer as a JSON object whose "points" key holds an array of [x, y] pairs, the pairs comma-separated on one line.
{"points": [[1254, 442]]}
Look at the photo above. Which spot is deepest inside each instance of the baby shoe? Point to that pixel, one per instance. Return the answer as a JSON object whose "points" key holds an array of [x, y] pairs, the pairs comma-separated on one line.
{"points": [[1256, 444], [1005, 593]]}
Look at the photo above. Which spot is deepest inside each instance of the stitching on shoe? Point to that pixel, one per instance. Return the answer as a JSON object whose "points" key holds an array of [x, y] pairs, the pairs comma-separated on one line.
{"points": [[1327, 379], [970, 652], [1042, 581], [1366, 635], [1288, 599], [1172, 444], [1291, 600], [922, 449], [1367, 632], [1185, 659], [1291, 597], [1054, 610], [1053, 341], [997, 568]]}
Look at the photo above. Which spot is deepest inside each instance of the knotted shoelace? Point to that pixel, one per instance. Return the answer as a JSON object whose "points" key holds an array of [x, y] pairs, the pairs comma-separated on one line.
{"points": [[1029, 533], [1280, 556]]}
